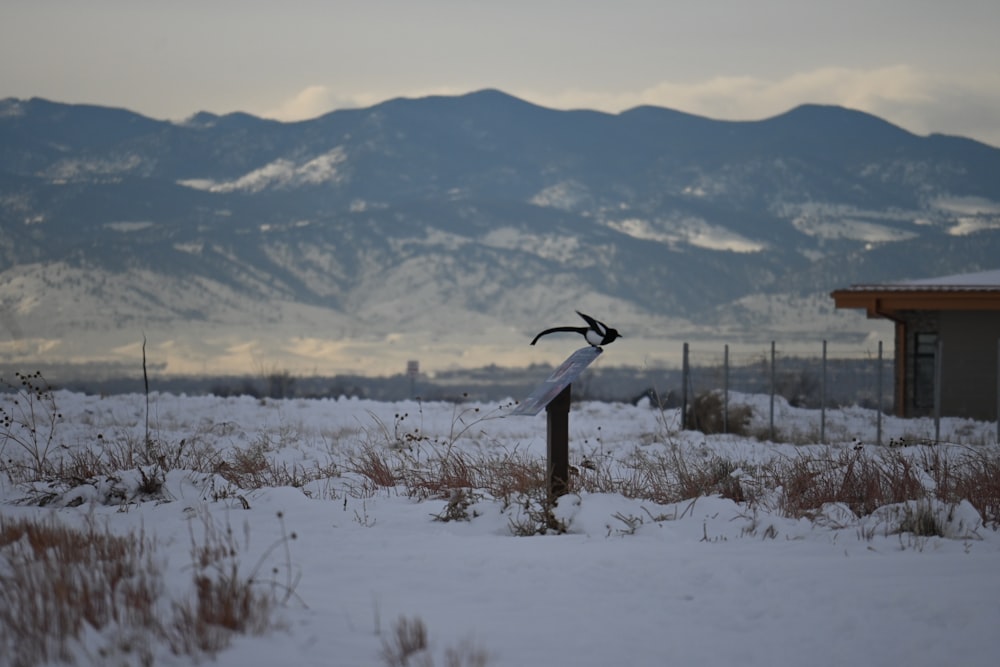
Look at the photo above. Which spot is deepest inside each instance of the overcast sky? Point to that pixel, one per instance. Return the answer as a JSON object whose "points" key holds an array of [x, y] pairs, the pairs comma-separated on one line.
{"points": [[927, 65]]}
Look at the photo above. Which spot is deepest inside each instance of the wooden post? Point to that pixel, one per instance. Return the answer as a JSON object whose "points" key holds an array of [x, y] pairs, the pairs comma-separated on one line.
{"points": [[725, 389], [685, 380], [822, 400], [557, 416], [939, 351], [774, 388], [878, 400]]}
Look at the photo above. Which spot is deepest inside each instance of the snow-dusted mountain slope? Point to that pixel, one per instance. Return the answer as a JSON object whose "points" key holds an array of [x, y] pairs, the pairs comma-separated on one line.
{"points": [[451, 229]]}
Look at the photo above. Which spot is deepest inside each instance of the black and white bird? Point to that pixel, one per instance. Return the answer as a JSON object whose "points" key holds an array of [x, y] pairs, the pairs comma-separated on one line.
{"points": [[597, 333]]}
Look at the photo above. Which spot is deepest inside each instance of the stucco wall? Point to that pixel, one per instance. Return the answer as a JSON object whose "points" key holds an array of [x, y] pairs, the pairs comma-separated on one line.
{"points": [[969, 368], [969, 385]]}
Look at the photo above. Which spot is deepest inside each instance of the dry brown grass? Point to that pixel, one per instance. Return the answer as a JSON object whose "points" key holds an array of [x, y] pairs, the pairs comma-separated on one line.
{"points": [[436, 472], [407, 641], [456, 470], [865, 481], [60, 582], [61, 579], [409, 646], [254, 469], [402, 458], [374, 464], [225, 601], [973, 475], [665, 477], [858, 480], [506, 474], [400, 455]]}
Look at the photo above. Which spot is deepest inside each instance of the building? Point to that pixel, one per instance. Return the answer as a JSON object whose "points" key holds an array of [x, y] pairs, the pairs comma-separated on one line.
{"points": [[948, 325]]}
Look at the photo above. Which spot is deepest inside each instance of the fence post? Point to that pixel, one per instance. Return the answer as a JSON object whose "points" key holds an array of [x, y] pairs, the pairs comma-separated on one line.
{"points": [[878, 399], [937, 390], [684, 388], [773, 389], [822, 399], [725, 389], [998, 392]]}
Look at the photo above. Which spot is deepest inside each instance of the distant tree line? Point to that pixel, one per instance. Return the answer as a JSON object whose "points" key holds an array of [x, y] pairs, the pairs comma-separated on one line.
{"points": [[849, 381]]}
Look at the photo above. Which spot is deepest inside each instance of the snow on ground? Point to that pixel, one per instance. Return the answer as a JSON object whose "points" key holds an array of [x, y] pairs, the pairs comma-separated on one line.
{"points": [[702, 582]]}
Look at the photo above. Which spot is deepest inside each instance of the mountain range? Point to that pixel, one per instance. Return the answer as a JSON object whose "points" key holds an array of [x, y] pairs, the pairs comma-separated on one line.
{"points": [[451, 229]]}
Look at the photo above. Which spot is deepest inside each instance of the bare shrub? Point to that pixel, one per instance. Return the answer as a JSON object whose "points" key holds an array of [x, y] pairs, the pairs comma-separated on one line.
{"points": [[801, 388], [28, 420], [458, 507], [534, 514], [708, 414], [399, 436]]}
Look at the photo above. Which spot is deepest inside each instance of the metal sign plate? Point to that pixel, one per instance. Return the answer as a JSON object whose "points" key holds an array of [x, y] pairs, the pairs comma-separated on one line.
{"points": [[567, 372]]}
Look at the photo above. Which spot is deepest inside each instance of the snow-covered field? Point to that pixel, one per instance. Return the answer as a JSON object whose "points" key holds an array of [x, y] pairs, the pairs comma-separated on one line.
{"points": [[703, 581]]}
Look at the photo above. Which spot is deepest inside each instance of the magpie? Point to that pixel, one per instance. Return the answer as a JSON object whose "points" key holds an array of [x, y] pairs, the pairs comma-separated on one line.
{"points": [[597, 334]]}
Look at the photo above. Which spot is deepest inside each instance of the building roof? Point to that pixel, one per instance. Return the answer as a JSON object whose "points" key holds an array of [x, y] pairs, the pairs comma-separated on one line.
{"points": [[979, 280], [965, 291]]}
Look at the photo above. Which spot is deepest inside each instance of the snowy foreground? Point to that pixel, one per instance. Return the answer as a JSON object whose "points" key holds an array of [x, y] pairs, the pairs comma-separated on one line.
{"points": [[706, 581]]}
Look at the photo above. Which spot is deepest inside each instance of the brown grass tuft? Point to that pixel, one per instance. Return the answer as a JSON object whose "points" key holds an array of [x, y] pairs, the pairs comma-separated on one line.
{"points": [[61, 578], [858, 480], [409, 646], [61, 581], [973, 475], [373, 463]]}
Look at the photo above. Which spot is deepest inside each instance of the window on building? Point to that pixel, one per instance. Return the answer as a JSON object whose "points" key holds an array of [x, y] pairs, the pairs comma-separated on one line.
{"points": [[924, 356]]}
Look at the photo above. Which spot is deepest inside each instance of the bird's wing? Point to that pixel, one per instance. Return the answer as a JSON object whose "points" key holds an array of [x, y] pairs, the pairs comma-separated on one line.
{"points": [[579, 330], [599, 327]]}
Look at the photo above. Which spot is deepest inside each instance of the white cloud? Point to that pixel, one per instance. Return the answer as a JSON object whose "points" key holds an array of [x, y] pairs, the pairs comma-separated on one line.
{"points": [[310, 102]]}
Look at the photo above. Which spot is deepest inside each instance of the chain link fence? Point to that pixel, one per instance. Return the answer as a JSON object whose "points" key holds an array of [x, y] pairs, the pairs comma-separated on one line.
{"points": [[711, 375]]}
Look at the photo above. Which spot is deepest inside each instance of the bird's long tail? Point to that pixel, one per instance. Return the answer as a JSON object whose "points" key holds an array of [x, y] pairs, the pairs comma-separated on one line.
{"points": [[579, 330]]}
